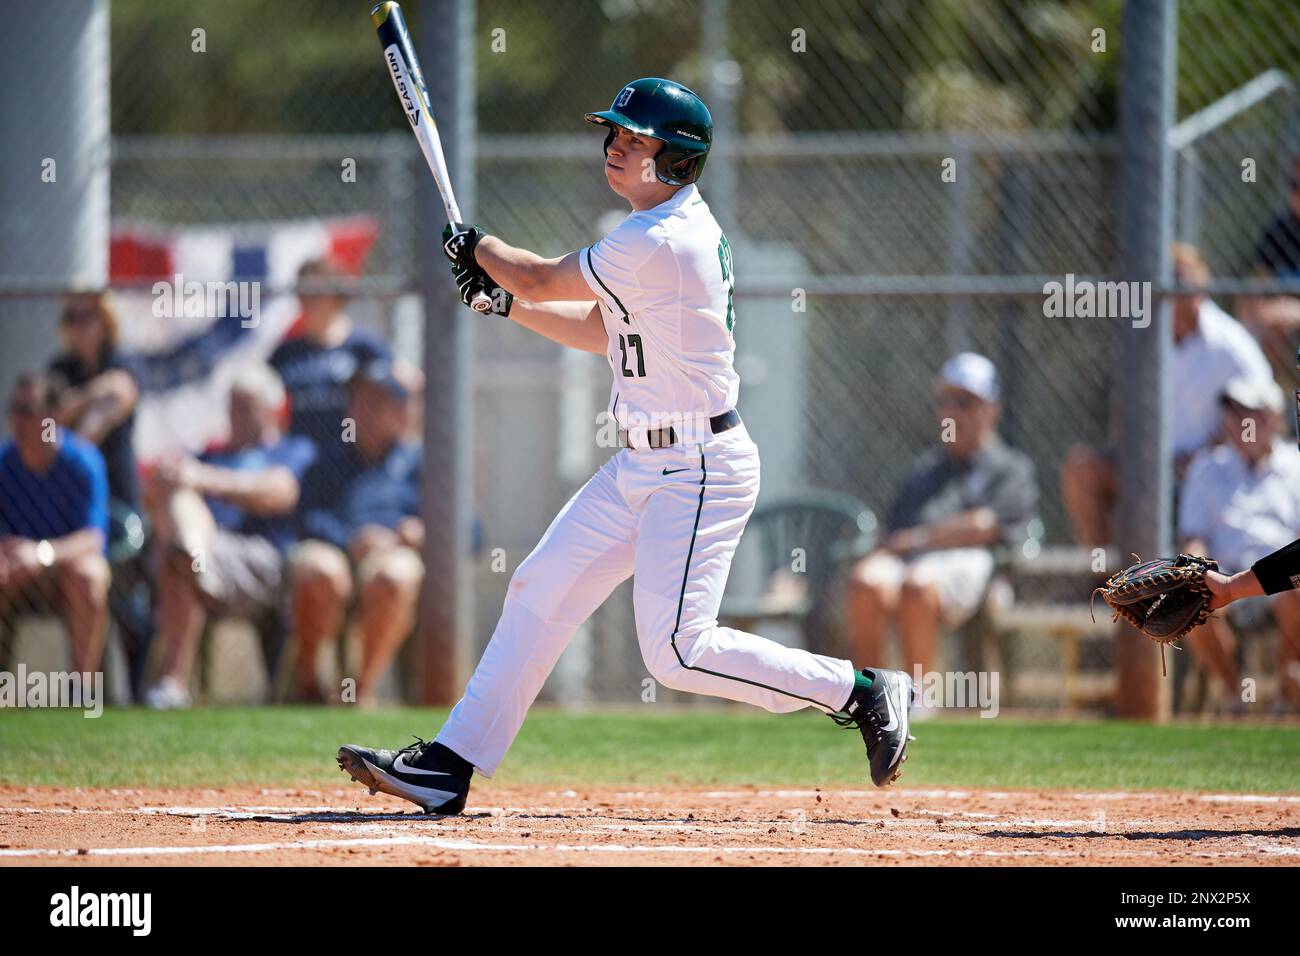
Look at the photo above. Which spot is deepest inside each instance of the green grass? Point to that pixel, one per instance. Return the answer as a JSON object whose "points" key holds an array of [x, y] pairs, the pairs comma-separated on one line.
{"points": [[656, 747]]}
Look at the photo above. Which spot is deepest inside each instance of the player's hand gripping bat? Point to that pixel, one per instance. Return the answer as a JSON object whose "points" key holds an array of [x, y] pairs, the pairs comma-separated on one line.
{"points": [[408, 79]]}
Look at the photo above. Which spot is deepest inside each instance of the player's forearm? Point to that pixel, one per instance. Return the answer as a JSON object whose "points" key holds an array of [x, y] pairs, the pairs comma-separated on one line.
{"points": [[529, 276], [575, 324], [518, 270]]}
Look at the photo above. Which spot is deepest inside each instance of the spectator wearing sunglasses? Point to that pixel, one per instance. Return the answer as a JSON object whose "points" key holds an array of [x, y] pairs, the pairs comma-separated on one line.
{"points": [[100, 392], [963, 496], [53, 521]]}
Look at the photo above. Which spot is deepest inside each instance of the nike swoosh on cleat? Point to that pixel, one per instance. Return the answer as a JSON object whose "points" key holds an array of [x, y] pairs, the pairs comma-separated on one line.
{"points": [[425, 797], [401, 766], [893, 716]]}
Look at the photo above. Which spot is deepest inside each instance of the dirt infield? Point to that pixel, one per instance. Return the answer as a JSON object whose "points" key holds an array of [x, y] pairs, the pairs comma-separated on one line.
{"points": [[248, 826]]}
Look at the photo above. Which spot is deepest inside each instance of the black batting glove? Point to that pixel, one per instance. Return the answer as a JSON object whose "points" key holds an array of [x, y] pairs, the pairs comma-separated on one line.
{"points": [[459, 241], [472, 281]]}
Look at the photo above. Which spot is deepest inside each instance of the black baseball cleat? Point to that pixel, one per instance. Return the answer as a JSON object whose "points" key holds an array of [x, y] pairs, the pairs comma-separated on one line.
{"points": [[427, 774], [880, 712]]}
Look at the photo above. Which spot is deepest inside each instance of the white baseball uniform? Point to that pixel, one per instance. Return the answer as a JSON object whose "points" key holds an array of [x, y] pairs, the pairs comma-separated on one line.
{"points": [[670, 517]]}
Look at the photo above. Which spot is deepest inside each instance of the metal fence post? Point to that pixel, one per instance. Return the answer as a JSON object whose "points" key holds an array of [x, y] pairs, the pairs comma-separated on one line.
{"points": [[1142, 514], [445, 39], [54, 170]]}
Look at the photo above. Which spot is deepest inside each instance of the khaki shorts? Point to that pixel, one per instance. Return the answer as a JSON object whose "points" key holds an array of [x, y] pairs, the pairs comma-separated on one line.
{"points": [[317, 552], [245, 574], [959, 575]]}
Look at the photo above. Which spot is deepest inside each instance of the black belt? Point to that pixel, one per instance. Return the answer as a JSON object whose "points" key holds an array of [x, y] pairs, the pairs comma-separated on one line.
{"points": [[663, 437]]}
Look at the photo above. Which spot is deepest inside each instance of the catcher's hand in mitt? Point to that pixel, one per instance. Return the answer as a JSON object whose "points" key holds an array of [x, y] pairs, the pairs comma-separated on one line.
{"points": [[1164, 599]]}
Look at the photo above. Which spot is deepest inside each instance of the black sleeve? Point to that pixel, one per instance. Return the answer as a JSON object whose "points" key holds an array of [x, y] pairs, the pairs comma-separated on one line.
{"points": [[1279, 571], [122, 361], [62, 365]]}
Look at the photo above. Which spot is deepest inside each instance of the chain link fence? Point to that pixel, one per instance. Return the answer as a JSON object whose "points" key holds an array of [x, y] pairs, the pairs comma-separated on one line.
{"points": [[898, 180]]}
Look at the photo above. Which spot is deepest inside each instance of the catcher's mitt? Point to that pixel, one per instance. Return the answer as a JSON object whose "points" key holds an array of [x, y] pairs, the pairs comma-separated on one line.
{"points": [[1164, 599]]}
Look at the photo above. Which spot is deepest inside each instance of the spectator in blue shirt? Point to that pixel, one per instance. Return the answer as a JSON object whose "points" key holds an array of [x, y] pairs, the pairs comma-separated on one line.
{"points": [[359, 508], [53, 521], [317, 365], [222, 523]]}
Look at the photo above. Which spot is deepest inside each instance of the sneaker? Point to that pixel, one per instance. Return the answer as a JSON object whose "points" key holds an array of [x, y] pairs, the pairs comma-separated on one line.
{"points": [[881, 713], [168, 694], [428, 774]]}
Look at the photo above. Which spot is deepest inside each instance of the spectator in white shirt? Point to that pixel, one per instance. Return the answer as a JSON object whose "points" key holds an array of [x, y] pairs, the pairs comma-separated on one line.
{"points": [[1210, 347], [1241, 501]]}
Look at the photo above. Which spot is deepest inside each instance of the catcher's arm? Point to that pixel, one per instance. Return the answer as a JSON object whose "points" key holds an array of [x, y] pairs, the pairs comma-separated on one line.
{"points": [[1271, 574], [1226, 588]]}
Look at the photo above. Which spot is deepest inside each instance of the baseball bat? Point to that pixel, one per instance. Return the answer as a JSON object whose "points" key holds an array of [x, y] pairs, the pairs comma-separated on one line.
{"points": [[408, 80]]}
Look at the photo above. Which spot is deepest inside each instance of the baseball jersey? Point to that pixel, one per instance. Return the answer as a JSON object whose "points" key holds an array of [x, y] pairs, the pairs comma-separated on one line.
{"points": [[663, 279]]}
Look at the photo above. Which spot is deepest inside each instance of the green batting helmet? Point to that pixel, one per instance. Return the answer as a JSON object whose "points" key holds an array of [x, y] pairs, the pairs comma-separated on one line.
{"points": [[668, 111]]}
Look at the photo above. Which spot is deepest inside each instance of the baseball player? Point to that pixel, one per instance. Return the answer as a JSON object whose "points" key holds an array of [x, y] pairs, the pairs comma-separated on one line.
{"points": [[655, 297]]}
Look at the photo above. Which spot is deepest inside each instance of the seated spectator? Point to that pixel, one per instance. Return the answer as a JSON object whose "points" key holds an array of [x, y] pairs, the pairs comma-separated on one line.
{"points": [[222, 524], [359, 508], [316, 365], [53, 521], [1275, 320], [100, 394], [1241, 501], [1210, 347], [963, 496]]}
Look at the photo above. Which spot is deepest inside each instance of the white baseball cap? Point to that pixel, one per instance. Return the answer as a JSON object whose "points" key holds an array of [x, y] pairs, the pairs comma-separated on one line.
{"points": [[973, 373], [1256, 393]]}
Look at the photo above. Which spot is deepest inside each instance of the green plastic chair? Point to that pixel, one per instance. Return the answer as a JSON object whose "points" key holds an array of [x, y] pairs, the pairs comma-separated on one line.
{"points": [[806, 540]]}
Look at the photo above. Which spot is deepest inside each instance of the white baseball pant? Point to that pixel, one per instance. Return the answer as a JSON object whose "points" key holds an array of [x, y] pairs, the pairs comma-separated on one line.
{"points": [[670, 518]]}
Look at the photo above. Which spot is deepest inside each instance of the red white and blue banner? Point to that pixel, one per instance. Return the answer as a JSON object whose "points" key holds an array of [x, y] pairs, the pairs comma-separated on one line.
{"points": [[183, 351]]}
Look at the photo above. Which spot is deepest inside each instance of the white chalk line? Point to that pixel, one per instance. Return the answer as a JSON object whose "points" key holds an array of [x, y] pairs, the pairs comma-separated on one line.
{"points": [[978, 794], [473, 846], [523, 816]]}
